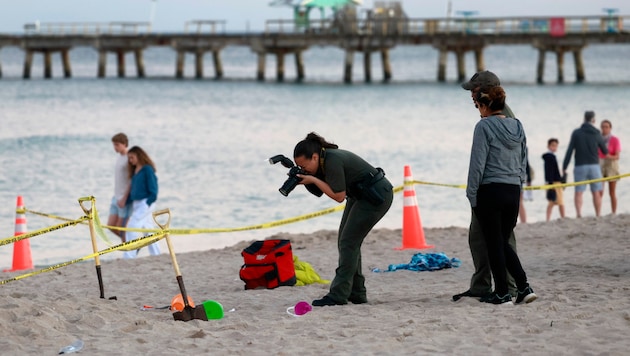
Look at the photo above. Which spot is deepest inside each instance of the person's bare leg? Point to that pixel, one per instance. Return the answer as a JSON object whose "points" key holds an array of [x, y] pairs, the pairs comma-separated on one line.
{"points": [[549, 209], [578, 204], [114, 220], [612, 191], [561, 208], [597, 203]]}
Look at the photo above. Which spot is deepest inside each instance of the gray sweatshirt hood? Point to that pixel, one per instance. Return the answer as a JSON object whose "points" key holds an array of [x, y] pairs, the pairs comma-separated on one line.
{"points": [[508, 130]]}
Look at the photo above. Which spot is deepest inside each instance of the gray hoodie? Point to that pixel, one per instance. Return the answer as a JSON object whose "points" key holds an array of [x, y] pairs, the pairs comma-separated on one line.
{"points": [[498, 154]]}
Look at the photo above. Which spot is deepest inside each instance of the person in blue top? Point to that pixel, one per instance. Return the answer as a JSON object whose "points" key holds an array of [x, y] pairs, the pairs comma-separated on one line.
{"points": [[142, 195]]}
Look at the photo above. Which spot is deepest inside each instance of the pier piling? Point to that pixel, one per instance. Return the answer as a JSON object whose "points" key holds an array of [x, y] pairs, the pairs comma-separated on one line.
{"points": [[179, 65], [139, 63], [540, 70], [367, 66], [387, 66], [347, 74], [442, 57], [65, 60], [120, 55], [280, 66], [299, 65], [560, 62], [218, 65], [579, 65], [47, 64], [199, 64], [260, 71]]}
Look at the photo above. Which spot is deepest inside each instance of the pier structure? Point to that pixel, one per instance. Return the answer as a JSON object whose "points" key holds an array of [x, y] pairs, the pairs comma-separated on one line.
{"points": [[559, 35], [196, 42]]}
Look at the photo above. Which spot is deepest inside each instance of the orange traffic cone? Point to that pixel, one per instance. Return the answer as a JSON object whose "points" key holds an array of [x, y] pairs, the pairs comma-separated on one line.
{"points": [[412, 232], [21, 249]]}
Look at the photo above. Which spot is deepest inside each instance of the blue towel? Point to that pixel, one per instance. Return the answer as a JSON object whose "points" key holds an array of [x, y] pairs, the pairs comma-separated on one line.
{"points": [[425, 262]]}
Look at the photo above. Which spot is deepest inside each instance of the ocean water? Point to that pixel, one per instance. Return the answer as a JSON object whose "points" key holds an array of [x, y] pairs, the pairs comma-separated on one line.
{"points": [[211, 139]]}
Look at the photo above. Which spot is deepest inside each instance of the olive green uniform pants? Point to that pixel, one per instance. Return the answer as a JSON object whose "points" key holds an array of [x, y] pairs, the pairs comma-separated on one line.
{"points": [[359, 217]]}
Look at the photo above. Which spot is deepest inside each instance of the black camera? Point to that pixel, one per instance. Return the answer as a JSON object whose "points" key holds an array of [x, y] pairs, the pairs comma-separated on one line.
{"points": [[294, 170], [292, 181]]}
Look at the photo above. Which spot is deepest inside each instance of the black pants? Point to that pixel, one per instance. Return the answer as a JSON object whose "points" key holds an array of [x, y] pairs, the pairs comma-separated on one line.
{"points": [[497, 211]]}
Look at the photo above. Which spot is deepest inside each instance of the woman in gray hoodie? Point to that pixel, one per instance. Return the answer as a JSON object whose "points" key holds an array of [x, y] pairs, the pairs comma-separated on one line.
{"points": [[497, 170]]}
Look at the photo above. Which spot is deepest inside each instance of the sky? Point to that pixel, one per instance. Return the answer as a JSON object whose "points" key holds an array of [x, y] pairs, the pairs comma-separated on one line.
{"points": [[241, 15]]}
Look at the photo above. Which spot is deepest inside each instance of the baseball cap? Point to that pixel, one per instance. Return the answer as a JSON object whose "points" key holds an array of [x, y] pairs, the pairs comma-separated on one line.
{"points": [[485, 79]]}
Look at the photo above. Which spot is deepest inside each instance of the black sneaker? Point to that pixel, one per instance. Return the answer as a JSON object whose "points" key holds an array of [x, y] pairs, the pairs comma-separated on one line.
{"points": [[357, 300], [527, 295], [494, 298], [326, 301], [467, 293]]}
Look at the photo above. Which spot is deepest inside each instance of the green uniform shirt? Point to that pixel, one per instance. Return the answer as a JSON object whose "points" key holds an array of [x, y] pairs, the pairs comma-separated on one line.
{"points": [[343, 169]]}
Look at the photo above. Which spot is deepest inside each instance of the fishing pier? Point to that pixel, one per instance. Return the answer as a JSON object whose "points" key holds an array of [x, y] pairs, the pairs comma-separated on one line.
{"points": [[458, 36]]}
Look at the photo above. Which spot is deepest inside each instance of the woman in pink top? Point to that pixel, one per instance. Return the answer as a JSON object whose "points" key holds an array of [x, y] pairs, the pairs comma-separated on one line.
{"points": [[610, 162]]}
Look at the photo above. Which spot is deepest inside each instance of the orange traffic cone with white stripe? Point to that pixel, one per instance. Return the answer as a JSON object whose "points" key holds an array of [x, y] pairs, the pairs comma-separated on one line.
{"points": [[21, 249], [412, 232]]}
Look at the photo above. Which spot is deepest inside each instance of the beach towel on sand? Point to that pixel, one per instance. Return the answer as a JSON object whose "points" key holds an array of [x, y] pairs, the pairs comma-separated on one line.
{"points": [[425, 262]]}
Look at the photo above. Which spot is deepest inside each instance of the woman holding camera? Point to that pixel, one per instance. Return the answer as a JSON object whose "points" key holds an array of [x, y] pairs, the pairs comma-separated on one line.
{"points": [[342, 175]]}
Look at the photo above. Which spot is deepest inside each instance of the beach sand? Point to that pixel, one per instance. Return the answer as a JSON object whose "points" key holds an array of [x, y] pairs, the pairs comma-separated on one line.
{"points": [[579, 268]]}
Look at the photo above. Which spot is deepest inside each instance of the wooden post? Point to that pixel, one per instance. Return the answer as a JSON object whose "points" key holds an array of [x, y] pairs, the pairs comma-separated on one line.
{"points": [[441, 77], [139, 63], [560, 61], [218, 66], [540, 71], [179, 65], [199, 64], [47, 64], [280, 66], [65, 60], [479, 60], [260, 71], [347, 75], [102, 63], [367, 65], [299, 65], [579, 65], [387, 66], [120, 54], [28, 61], [461, 65]]}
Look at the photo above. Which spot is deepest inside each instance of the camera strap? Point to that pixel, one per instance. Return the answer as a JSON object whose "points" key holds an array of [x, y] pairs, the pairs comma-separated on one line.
{"points": [[322, 159]]}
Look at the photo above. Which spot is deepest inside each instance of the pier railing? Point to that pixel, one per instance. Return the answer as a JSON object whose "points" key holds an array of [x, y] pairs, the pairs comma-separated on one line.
{"points": [[205, 26], [411, 26], [87, 28]]}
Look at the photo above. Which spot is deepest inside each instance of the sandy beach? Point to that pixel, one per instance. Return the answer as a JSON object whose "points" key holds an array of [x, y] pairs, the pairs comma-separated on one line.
{"points": [[578, 267]]}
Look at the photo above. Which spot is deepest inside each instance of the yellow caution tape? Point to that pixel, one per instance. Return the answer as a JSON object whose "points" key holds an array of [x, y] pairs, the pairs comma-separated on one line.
{"points": [[41, 231], [136, 244]]}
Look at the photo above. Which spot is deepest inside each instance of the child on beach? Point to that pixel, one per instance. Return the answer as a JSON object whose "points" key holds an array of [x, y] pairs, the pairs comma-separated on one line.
{"points": [[552, 176]]}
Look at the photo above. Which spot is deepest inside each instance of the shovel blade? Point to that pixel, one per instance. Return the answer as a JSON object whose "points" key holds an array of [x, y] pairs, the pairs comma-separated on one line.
{"points": [[189, 313]]}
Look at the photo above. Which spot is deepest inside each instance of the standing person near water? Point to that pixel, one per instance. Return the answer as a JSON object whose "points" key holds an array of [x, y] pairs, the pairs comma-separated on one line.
{"points": [[118, 209], [585, 141], [610, 162], [142, 195], [481, 280], [343, 175], [497, 170]]}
